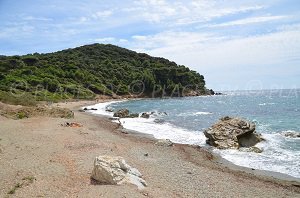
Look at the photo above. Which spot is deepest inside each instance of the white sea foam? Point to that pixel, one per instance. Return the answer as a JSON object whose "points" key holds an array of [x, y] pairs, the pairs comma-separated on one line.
{"points": [[163, 131], [148, 126], [195, 113], [202, 113], [273, 158], [264, 104], [101, 108]]}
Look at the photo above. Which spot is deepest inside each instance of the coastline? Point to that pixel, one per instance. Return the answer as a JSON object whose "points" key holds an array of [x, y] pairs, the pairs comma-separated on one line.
{"points": [[221, 160], [217, 158], [178, 171]]}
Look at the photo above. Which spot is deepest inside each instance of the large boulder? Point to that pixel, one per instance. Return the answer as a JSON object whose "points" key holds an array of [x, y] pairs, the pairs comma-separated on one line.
{"points": [[232, 133], [114, 170], [122, 113]]}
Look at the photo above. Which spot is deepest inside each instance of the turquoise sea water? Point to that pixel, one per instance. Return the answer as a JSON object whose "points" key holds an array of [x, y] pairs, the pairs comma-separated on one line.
{"points": [[273, 111]]}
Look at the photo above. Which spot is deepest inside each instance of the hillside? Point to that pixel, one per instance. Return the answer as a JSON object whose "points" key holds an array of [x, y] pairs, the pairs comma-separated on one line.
{"points": [[93, 69]]}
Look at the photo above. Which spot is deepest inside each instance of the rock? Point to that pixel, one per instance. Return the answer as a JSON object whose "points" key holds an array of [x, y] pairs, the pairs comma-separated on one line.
{"points": [[159, 121], [255, 149], [252, 149], [133, 115], [291, 134], [114, 170], [72, 124], [232, 133], [145, 115], [91, 109], [164, 142], [122, 113], [108, 109]]}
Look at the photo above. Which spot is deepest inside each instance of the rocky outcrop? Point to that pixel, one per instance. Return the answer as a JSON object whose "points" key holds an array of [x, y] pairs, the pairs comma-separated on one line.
{"points": [[114, 170], [291, 134], [122, 113], [232, 133], [146, 115]]}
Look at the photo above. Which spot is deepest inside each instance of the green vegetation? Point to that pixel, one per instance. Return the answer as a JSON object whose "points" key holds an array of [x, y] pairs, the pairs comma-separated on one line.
{"points": [[24, 98], [21, 115], [85, 71]]}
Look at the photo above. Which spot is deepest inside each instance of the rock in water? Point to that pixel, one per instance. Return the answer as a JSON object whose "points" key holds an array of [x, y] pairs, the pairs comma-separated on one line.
{"points": [[114, 170], [145, 115], [122, 113], [291, 134], [232, 133]]}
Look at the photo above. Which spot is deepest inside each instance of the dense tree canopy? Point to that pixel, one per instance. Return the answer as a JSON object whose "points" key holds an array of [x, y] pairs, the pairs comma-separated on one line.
{"points": [[95, 69]]}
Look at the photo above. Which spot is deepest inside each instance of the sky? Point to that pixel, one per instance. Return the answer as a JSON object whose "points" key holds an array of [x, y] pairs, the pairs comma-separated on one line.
{"points": [[236, 45]]}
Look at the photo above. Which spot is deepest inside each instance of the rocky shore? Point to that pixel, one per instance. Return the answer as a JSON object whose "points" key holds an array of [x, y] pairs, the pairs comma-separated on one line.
{"points": [[42, 156]]}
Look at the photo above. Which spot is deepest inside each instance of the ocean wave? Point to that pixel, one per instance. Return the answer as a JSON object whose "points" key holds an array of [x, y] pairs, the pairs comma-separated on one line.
{"points": [[102, 108], [202, 113], [264, 104], [275, 156], [195, 113], [163, 130]]}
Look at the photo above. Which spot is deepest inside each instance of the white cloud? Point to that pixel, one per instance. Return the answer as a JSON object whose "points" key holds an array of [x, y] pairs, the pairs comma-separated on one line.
{"points": [[105, 40], [96, 16], [102, 14], [32, 18], [183, 13], [14, 31], [250, 20], [226, 59]]}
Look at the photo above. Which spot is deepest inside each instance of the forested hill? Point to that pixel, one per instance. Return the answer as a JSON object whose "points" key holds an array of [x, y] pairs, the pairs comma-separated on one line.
{"points": [[93, 69]]}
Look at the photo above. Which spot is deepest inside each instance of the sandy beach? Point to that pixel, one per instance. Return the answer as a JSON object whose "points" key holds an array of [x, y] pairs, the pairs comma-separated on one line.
{"points": [[51, 160]]}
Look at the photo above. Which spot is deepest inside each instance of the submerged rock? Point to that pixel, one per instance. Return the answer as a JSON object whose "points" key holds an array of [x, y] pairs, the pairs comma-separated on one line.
{"points": [[252, 149], [291, 134], [159, 121], [114, 170], [122, 113], [232, 133]]}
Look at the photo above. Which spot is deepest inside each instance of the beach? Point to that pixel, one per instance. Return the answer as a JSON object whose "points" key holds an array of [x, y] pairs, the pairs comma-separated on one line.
{"points": [[58, 161]]}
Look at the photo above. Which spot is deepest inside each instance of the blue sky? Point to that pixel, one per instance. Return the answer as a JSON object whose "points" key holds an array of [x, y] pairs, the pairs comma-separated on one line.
{"points": [[235, 44]]}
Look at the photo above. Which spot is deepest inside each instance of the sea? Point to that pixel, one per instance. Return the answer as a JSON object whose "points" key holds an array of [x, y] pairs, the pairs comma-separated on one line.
{"points": [[183, 120]]}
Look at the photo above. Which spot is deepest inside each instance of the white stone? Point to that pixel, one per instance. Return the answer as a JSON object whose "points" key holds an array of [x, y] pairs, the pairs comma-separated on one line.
{"points": [[114, 170]]}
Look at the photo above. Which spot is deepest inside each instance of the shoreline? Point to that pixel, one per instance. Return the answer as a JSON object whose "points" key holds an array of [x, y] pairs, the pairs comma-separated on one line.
{"points": [[220, 159], [61, 159]]}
